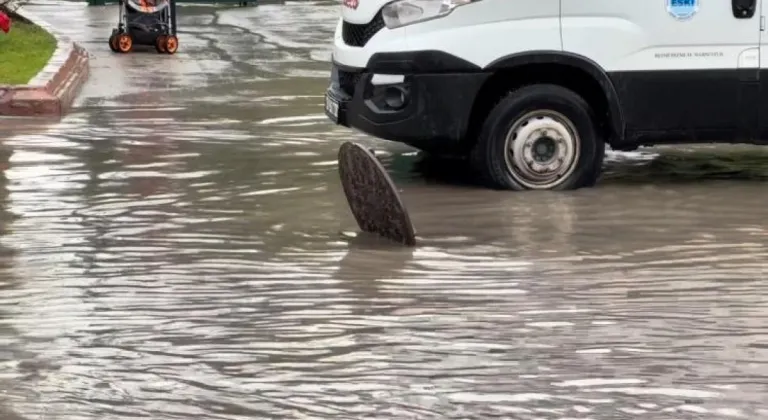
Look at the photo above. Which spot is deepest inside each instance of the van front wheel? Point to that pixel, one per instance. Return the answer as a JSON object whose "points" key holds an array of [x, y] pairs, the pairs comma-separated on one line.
{"points": [[539, 137]]}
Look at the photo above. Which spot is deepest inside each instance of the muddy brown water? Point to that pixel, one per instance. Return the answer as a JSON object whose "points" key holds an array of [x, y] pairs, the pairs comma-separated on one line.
{"points": [[173, 249]]}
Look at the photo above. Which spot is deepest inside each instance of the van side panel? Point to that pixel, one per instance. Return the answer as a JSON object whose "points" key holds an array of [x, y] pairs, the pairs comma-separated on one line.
{"points": [[677, 80], [629, 35], [484, 31]]}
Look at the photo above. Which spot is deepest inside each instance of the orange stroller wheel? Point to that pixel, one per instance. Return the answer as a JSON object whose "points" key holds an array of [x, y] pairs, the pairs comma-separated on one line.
{"points": [[160, 44], [124, 43], [113, 43], [171, 44]]}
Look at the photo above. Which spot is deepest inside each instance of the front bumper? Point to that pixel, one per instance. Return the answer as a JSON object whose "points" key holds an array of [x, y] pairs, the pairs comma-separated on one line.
{"points": [[429, 111]]}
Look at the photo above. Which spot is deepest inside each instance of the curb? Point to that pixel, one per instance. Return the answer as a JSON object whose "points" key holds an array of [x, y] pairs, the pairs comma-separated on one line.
{"points": [[53, 90]]}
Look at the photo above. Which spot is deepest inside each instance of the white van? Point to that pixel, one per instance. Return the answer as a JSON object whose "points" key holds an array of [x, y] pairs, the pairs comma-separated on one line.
{"points": [[532, 90]]}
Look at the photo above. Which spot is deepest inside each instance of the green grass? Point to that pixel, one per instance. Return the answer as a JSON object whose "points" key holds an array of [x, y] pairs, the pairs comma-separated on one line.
{"points": [[24, 51], [748, 163]]}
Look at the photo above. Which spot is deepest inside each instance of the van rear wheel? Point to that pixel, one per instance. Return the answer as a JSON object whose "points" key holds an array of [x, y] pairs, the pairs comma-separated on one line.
{"points": [[539, 137]]}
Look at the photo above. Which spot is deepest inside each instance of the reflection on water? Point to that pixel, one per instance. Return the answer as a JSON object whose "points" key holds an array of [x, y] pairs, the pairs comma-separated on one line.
{"points": [[173, 250]]}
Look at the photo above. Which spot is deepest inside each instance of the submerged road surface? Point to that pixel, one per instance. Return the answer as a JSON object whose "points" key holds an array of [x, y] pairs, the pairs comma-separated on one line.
{"points": [[171, 250]]}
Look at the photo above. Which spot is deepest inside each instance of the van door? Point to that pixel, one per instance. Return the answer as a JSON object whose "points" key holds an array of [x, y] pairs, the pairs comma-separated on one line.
{"points": [[685, 70]]}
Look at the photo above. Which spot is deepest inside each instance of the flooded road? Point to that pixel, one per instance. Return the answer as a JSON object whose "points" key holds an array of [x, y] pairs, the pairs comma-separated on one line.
{"points": [[172, 250]]}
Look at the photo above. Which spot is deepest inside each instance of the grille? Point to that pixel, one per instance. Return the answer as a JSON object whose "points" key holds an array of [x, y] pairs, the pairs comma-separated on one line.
{"points": [[358, 35], [348, 81]]}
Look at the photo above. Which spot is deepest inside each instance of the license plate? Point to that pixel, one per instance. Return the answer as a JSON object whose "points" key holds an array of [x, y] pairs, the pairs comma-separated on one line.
{"points": [[332, 108]]}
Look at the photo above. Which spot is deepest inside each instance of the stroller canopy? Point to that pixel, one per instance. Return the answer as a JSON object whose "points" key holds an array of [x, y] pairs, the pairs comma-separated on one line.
{"points": [[148, 6]]}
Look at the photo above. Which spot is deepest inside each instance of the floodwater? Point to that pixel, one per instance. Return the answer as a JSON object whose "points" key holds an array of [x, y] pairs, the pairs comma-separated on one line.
{"points": [[173, 249]]}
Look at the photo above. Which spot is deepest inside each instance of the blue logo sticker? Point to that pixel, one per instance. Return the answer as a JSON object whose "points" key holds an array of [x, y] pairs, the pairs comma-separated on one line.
{"points": [[682, 9]]}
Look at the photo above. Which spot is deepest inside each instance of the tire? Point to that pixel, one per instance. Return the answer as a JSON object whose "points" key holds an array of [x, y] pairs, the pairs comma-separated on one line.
{"points": [[539, 137], [113, 43], [160, 44], [124, 43], [171, 44]]}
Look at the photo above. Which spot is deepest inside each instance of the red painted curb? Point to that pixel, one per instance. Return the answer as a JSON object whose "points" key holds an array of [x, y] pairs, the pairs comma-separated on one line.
{"points": [[53, 91]]}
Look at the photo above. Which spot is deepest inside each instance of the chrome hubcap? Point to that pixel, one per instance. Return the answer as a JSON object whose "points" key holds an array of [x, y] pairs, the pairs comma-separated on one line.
{"points": [[542, 149]]}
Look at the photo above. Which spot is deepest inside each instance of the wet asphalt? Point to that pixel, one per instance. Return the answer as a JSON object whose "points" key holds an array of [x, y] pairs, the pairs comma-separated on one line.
{"points": [[177, 247]]}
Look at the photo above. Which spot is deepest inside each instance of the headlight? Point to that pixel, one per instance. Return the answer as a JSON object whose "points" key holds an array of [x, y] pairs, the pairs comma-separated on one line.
{"points": [[405, 12]]}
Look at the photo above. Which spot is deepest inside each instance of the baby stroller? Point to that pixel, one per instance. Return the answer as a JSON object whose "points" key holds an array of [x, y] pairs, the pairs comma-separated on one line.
{"points": [[145, 22]]}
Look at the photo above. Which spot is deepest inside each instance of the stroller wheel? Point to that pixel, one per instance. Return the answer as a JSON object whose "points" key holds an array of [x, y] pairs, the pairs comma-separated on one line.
{"points": [[113, 43], [160, 44], [171, 44], [124, 43]]}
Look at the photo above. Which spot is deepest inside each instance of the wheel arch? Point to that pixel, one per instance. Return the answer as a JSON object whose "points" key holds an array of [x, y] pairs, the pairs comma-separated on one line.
{"points": [[564, 61]]}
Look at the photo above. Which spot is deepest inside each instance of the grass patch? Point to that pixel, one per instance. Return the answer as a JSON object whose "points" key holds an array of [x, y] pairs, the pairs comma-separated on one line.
{"points": [[24, 51], [721, 163]]}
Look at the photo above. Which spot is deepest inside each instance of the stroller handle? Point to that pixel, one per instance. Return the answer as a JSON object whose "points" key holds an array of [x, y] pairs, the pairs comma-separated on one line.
{"points": [[148, 6]]}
